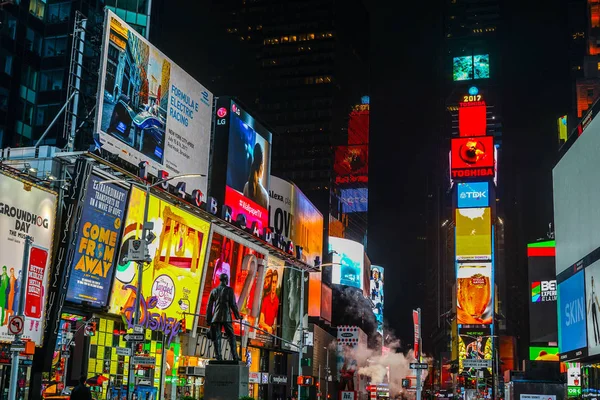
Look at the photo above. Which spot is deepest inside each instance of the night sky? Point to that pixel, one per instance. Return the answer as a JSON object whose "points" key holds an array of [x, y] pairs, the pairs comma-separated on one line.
{"points": [[406, 118]]}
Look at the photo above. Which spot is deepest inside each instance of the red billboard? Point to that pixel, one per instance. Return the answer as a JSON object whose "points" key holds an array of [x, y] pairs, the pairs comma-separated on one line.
{"points": [[472, 157], [472, 119], [352, 164]]}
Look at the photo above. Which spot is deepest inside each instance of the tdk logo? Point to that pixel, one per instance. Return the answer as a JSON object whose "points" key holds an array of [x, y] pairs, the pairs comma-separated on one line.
{"points": [[475, 194]]}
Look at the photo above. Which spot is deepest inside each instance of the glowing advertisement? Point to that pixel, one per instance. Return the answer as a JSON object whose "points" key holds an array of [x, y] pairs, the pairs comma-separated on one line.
{"points": [[471, 67], [291, 319], [268, 317], [472, 118], [352, 164], [348, 262], [234, 259], [98, 243], [573, 378], [25, 210], [473, 234], [376, 295], [149, 109], [248, 167], [473, 195], [474, 293], [474, 344], [355, 200], [472, 158], [540, 353], [592, 306], [572, 340], [543, 326], [171, 282]]}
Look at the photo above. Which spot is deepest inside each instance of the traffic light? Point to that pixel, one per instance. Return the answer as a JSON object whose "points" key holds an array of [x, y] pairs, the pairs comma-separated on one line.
{"points": [[90, 329], [306, 362], [182, 328]]}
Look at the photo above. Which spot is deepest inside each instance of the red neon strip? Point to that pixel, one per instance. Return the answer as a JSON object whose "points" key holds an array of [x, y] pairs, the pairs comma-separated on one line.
{"points": [[541, 252]]}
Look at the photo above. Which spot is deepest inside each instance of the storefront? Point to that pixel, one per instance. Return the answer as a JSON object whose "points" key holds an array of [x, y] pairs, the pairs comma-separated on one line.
{"points": [[24, 377]]}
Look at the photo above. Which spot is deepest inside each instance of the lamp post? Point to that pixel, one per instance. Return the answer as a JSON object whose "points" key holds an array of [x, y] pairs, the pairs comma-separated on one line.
{"points": [[146, 227], [327, 374]]}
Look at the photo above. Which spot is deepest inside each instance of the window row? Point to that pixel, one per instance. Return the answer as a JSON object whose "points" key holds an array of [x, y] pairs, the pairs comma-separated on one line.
{"points": [[298, 38]]}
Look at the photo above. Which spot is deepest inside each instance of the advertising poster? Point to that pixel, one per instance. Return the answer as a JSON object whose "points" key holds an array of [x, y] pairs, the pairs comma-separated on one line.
{"points": [[376, 295], [326, 298], [539, 353], [355, 200], [352, 164], [248, 167], [290, 324], [471, 67], [170, 284], [348, 262], [98, 243], [25, 210], [472, 157], [592, 307], [473, 234], [573, 378], [226, 257], [474, 293], [473, 195], [472, 117], [149, 109], [268, 317], [474, 344], [572, 315], [543, 325]]}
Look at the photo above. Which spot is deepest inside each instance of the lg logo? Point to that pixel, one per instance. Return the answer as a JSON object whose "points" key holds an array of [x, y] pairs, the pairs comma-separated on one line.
{"points": [[473, 195]]}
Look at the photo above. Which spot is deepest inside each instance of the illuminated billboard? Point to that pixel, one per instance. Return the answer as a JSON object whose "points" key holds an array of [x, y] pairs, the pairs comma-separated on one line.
{"points": [[474, 344], [542, 303], [472, 158], [473, 234], [270, 299], [240, 178], [171, 282], [97, 245], [291, 319], [348, 262], [592, 291], [376, 295], [471, 67], [472, 119], [473, 195], [474, 293], [149, 109], [543, 353], [25, 209], [572, 341], [352, 164], [355, 200]]}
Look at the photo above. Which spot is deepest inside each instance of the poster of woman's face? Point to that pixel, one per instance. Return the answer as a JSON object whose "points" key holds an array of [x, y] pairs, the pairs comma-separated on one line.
{"points": [[291, 304]]}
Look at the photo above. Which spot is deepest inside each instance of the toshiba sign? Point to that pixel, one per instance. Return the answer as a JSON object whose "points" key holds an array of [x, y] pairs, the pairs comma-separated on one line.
{"points": [[472, 158]]}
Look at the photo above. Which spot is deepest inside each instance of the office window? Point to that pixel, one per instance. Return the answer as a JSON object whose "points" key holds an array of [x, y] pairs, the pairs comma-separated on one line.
{"points": [[136, 6], [44, 114], [1, 137], [3, 98], [58, 12], [11, 26], [29, 77], [37, 8], [8, 61], [55, 46], [51, 80], [33, 41]]}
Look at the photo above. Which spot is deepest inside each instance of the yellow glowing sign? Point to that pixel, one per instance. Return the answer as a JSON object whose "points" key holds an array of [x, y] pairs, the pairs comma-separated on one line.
{"points": [[473, 234]]}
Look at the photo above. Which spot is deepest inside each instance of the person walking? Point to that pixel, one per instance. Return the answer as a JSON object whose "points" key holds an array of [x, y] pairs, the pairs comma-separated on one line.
{"points": [[81, 391]]}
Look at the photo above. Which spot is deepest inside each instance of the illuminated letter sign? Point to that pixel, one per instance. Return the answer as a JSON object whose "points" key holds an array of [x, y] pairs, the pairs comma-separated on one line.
{"points": [[473, 195], [472, 158]]}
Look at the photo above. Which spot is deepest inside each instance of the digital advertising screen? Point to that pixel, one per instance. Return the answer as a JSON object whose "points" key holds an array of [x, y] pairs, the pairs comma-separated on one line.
{"points": [[25, 210], [270, 296], [227, 257], [573, 370], [171, 282], [474, 344], [472, 157], [326, 299], [473, 195], [572, 341], [592, 306], [292, 215], [474, 293], [352, 164], [541, 353], [348, 262], [471, 67], [473, 234], [543, 326], [149, 109], [472, 119], [376, 295], [248, 166], [97, 246], [291, 319], [355, 200]]}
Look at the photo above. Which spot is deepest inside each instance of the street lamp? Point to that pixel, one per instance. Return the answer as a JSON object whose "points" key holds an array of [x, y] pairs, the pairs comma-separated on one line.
{"points": [[146, 238]]}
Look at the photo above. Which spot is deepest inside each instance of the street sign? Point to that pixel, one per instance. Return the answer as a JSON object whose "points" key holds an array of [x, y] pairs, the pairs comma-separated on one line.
{"points": [[143, 360], [16, 324], [123, 351], [144, 382], [136, 250], [477, 364], [419, 366], [138, 329], [134, 337], [17, 347], [25, 362]]}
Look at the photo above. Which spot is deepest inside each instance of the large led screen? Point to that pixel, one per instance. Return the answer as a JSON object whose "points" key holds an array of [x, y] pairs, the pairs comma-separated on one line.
{"points": [[270, 300], [97, 245], [472, 158], [592, 291], [474, 293], [473, 234], [149, 109], [543, 353], [576, 190], [352, 164], [542, 303], [291, 319], [572, 317], [472, 119], [376, 295], [473, 195], [24, 210], [474, 344], [355, 200], [248, 167], [171, 282], [348, 262], [227, 257], [471, 67]]}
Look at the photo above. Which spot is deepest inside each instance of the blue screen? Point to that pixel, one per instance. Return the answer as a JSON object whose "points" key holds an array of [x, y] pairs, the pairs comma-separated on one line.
{"points": [[571, 314], [355, 200], [473, 195]]}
